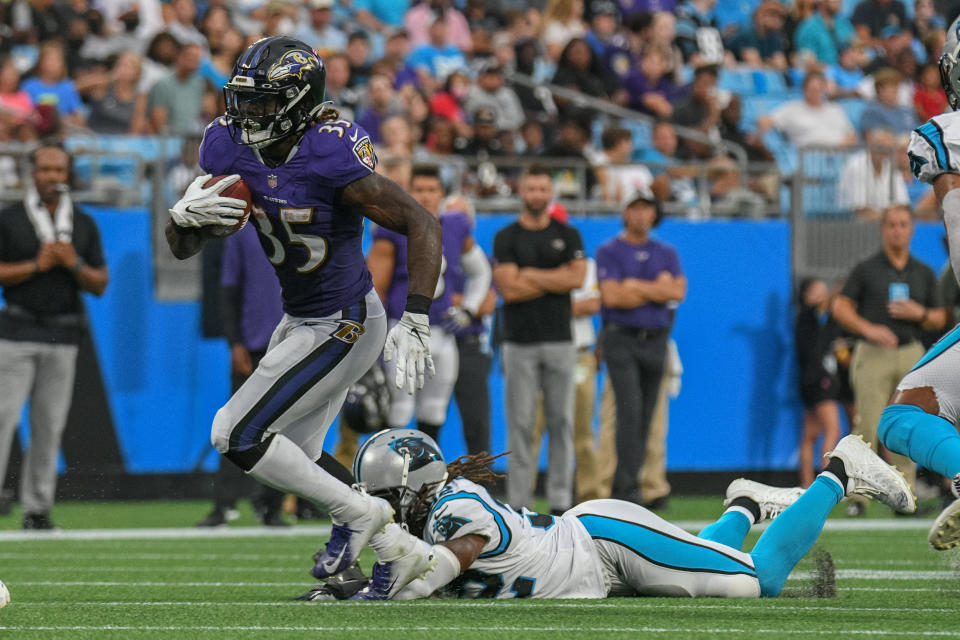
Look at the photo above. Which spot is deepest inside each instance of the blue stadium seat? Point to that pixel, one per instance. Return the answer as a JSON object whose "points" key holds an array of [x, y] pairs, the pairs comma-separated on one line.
{"points": [[755, 106], [854, 109]]}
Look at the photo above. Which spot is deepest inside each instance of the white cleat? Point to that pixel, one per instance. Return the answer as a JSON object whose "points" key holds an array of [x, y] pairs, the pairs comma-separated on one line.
{"points": [[772, 500], [390, 577], [945, 533], [871, 477]]}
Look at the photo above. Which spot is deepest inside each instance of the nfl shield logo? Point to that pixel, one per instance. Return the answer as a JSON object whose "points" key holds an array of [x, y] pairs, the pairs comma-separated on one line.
{"points": [[272, 181]]}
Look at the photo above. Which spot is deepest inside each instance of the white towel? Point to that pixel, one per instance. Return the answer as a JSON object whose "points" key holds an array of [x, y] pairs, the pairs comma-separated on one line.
{"points": [[60, 228]]}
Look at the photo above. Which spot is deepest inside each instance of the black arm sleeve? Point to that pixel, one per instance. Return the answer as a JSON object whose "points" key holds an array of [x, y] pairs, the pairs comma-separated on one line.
{"points": [[230, 307]]}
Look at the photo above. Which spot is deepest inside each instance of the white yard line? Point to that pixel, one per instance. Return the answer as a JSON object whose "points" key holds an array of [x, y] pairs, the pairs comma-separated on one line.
{"points": [[911, 524]]}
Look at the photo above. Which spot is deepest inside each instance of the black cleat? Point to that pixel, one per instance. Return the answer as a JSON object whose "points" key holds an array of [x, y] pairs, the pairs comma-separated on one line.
{"points": [[338, 587], [39, 522]]}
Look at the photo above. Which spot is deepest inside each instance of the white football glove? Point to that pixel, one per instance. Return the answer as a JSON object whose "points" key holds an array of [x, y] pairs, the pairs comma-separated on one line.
{"points": [[456, 319], [409, 341], [202, 206]]}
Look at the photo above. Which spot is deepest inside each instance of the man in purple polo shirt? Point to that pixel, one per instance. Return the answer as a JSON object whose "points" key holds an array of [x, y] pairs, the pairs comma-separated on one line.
{"points": [[251, 308], [641, 284]]}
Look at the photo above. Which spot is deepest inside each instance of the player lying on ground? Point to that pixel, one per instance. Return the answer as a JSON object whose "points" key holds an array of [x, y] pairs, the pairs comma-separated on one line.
{"points": [[601, 548], [312, 178], [921, 421]]}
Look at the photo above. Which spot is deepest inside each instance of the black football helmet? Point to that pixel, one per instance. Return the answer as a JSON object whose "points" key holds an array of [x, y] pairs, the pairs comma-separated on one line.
{"points": [[276, 90]]}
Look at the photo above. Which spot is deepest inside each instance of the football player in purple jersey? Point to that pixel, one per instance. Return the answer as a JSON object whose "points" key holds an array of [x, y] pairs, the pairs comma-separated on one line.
{"points": [[313, 181], [462, 260]]}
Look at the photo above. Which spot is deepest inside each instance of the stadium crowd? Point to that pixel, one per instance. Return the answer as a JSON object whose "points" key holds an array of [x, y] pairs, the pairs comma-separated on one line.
{"points": [[463, 82]]}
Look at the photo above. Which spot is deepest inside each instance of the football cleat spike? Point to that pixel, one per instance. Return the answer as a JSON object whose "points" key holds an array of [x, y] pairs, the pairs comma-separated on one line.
{"points": [[945, 533]]}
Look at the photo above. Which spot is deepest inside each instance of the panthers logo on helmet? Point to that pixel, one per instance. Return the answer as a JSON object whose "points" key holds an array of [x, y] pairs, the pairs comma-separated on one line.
{"points": [[446, 526], [421, 454], [293, 63]]}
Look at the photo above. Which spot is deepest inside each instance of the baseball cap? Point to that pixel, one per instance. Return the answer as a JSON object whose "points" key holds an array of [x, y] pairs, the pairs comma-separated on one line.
{"points": [[643, 193], [321, 4]]}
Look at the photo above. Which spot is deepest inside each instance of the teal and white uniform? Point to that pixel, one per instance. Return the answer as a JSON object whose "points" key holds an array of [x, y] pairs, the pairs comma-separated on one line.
{"points": [[596, 549]]}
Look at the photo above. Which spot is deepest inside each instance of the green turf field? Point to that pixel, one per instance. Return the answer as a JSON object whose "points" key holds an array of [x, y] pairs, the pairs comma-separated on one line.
{"points": [[127, 579]]}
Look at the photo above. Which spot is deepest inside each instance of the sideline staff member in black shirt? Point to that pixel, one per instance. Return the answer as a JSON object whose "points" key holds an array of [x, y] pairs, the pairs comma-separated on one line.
{"points": [[539, 261], [49, 252], [887, 301]]}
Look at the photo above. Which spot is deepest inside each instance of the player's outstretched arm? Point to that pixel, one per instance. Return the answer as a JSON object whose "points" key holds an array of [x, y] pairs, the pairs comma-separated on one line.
{"points": [[453, 558], [383, 201]]}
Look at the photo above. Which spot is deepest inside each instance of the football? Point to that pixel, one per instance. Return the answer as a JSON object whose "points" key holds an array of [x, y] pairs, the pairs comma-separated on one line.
{"points": [[4, 595], [239, 190]]}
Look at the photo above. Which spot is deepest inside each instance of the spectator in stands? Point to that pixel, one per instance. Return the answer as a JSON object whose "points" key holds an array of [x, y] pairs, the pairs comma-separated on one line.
{"points": [[538, 262], [17, 112], [54, 94], [397, 139], [214, 24], [885, 112], [435, 60], [825, 33], [650, 89], [382, 104], [700, 110], [662, 34], [929, 100], [396, 50], [448, 103], [176, 101], [617, 177], [416, 109], [606, 40], [531, 133], [419, 19], [217, 68], [662, 159], [641, 282], [926, 19], [358, 55], [337, 88], [118, 107], [158, 60], [490, 91], [728, 196], [730, 130], [319, 31], [573, 141], [845, 78], [813, 121], [579, 69], [50, 253], [815, 333], [181, 23], [562, 21], [870, 17], [763, 43], [869, 182], [888, 300], [693, 15], [380, 15], [486, 140], [251, 307]]}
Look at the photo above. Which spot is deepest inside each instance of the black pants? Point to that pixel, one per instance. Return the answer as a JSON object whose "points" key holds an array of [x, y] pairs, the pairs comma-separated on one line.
{"points": [[231, 483], [472, 392], [635, 363]]}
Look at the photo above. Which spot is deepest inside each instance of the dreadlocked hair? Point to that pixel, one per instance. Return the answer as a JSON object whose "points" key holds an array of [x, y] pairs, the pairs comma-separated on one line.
{"points": [[326, 115], [475, 468]]}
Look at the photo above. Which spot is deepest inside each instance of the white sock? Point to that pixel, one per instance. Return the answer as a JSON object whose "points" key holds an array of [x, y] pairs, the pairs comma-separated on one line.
{"points": [[286, 467], [393, 543], [830, 476], [744, 511]]}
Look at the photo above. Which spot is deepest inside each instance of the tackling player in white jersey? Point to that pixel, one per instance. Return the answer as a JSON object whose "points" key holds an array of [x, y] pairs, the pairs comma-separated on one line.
{"points": [[600, 548], [921, 420]]}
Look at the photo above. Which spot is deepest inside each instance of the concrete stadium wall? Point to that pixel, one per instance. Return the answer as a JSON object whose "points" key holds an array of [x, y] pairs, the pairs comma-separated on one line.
{"points": [[738, 408]]}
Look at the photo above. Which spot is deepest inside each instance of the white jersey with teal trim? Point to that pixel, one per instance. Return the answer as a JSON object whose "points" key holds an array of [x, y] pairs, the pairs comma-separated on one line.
{"points": [[526, 554], [935, 147]]}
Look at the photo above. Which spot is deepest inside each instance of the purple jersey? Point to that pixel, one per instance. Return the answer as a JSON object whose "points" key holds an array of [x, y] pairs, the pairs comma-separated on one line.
{"points": [[314, 248], [456, 228], [618, 259], [245, 266]]}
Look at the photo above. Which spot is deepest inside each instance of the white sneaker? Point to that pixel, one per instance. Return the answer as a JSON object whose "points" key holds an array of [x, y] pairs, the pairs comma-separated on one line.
{"points": [[390, 577], [772, 500], [348, 539], [871, 477]]}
